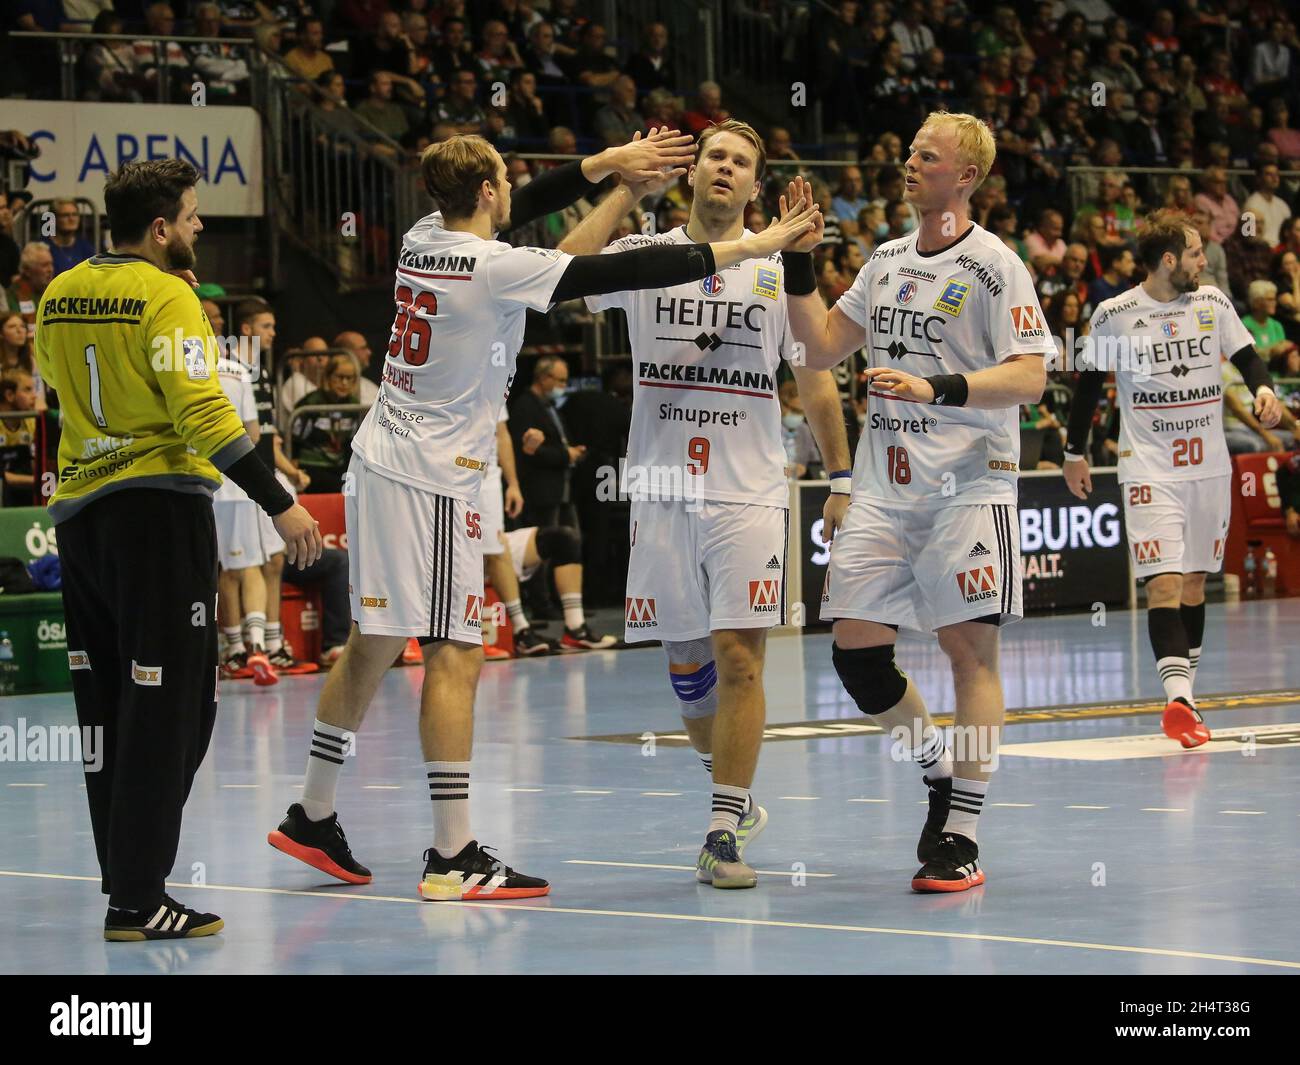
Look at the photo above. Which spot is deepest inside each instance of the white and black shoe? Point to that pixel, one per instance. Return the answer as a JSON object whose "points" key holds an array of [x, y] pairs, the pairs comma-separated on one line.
{"points": [[954, 866], [940, 795], [475, 874], [168, 920], [528, 644], [583, 639]]}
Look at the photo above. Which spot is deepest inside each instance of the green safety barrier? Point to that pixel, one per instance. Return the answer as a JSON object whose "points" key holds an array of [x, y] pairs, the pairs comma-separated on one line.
{"points": [[33, 621]]}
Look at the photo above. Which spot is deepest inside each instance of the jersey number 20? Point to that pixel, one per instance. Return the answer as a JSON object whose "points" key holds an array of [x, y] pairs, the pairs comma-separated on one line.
{"points": [[411, 333]]}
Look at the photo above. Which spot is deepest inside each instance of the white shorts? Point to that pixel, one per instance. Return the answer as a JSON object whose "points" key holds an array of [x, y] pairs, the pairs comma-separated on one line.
{"points": [[1177, 526], [492, 508], [697, 567], [927, 568], [270, 538], [241, 534], [415, 560], [518, 541]]}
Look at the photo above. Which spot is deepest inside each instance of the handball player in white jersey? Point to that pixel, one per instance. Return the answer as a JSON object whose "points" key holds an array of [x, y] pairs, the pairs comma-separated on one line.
{"points": [[706, 575], [1165, 341], [414, 530], [956, 340]]}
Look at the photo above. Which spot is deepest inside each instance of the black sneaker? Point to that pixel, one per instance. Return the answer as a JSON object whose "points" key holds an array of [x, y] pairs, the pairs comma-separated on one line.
{"points": [[320, 844], [940, 794], [954, 866], [528, 643], [284, 662], [169, 920], [235, 667], [583, 639], [475, 874]]}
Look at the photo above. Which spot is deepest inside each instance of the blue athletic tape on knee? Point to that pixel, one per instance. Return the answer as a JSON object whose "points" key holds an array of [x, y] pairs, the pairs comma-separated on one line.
{"points": [[697, 692], [559, 545], [870, 676]]}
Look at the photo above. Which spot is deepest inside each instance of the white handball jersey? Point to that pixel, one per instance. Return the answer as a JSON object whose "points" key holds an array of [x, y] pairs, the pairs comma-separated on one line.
{"points": [[965, 308], [461, 304], [1166, 358], [237, 383], [704, 400]]}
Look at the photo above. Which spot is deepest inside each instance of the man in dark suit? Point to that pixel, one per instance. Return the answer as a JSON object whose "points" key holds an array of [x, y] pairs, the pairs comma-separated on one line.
{"points": [[543, 452]]}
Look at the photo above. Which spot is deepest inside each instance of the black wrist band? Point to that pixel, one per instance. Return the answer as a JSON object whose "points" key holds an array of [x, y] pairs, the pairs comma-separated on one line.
{"points": [[259, 483], [800, 278], [950, 389]]}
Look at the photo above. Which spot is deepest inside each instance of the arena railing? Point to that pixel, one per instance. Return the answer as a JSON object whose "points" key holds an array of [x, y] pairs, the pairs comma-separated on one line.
{"points": [[287, 441], [1083, 179]]}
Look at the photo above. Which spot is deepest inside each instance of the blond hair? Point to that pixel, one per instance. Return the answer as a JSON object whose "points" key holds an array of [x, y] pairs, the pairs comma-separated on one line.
{"points": [[454, 170], [974, 139], [740, 129]]}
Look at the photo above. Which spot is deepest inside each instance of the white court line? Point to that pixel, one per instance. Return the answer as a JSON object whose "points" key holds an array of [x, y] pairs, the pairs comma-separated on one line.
{"points": [[1164, 810], [241, 786], [662, 794], [688, 868], [868, 800], [1015, 804], [381, 787], [800, 798], [590, 791], [31, 785], [1243, 811], [1087, 807], [523, 789], [541, 906]]}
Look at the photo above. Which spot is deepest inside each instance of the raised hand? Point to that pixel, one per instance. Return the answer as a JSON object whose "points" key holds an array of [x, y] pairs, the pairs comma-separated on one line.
{"points": [[645, 158], [655, 185], [799, 190], [898, 383], [798, 222]]}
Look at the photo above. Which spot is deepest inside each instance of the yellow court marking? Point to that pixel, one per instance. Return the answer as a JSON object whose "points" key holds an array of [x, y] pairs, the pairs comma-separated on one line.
{"points": [[542, 906]]}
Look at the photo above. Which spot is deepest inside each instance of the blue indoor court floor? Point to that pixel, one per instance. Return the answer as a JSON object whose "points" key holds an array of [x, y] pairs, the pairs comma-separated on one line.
{"points": [[1107, 848]]}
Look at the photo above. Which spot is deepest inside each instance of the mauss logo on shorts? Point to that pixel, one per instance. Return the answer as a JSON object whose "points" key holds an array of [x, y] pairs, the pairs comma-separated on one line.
{"points": [[474, 611], [639, 613], [826, 586], [1027, 323], [712, 285], [149, 676], [1147, 551], [1204, 318], [765, 282], [1218, 549], [765, 596], [375, 602], [953, 297], [977, 585]]}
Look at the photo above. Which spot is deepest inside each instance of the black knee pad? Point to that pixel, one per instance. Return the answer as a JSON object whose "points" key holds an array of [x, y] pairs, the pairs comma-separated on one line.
{"points": [[871, 677], [559, 545]]}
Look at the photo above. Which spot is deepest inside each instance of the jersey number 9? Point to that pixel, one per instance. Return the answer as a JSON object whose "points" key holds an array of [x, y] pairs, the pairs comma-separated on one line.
{"points": [[697, 450]]}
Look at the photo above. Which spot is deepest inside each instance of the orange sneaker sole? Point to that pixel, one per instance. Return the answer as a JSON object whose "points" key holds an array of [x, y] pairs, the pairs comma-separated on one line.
{"points": [[926, 887], [314, 857], [1179, 723]]}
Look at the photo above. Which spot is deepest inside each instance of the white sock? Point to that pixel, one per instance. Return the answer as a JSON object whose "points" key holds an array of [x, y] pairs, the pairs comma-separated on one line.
{"points": [[1176, 676], [449, 792], [234, 639], [255, 626], [1193, 660], [729, 805], [965, 806], [515, 609], [324, 763], [574, 618], [274, 637], [933, 756]]}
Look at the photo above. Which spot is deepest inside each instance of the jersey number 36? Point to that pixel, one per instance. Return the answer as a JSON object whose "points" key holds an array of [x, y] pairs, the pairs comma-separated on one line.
{"points": [[411, 331]]}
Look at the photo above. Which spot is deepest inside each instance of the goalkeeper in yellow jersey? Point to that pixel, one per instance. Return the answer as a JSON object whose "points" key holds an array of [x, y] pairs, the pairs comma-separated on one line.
{"points": [[146, 428]]}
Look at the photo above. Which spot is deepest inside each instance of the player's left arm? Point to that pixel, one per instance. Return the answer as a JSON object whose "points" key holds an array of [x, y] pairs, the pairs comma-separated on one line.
{"points": [[825, 412], [514, 498], [1268, 408], [1017, 379]]}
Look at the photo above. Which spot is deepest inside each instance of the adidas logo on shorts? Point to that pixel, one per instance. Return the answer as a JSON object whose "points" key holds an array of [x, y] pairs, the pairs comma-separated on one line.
{"points": [[979, 550], [774, 563]]}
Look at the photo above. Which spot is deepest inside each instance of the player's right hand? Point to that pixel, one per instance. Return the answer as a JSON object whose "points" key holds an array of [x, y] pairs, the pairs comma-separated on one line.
{"points": [[1077, 477], [301, 535], [643, 159], [798, 221], [655, 185], [799, 191]]}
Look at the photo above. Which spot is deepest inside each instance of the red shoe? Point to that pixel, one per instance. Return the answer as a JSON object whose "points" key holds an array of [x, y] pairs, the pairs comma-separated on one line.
{"points": [[264, 674], [492, 651], [412, 656], [284, 663], [235, 667], [1182, 723]]}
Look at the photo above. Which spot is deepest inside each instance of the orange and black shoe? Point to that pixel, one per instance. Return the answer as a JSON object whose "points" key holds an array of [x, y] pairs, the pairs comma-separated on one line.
{"points": [[320, 844], [475, 874], [286, 665], [1184, 723], [235, 666], [264, 674], [953, 866]]}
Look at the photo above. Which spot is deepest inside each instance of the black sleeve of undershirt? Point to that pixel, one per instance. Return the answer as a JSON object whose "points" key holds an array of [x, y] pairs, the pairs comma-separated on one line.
{"points": [[1253, 370], [258, 482], [547, 193], [1083, 405], [658, 266]]}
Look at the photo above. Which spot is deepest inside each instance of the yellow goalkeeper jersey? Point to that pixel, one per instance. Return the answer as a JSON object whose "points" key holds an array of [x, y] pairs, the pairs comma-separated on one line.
{"points": [[133, 359]]}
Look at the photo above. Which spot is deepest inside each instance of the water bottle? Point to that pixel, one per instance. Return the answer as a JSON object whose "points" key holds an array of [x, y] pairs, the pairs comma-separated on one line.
{"points": [[8, 670], [1249, 581], [1270, 574]]}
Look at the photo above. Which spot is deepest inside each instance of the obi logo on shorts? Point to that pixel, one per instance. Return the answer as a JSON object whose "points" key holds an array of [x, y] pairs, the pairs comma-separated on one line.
{"points": [[765, 596], [375, 602], [639, 613], [149, 676], [977, 585], [474, 612], [1147, 552]]}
